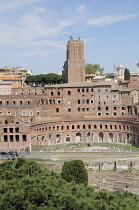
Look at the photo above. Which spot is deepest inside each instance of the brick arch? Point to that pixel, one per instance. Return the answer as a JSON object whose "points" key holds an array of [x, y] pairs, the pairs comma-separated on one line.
{"points": [[78, 137]]}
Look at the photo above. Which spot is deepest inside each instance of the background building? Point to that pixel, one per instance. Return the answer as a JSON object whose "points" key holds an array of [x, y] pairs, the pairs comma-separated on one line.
{"points": [[100, 111], [74, 67]]}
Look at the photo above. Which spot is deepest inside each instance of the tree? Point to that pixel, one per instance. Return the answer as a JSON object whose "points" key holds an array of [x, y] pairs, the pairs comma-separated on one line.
{"points": [[31, 186], [126, 74], [43, 79], [93, 68], [75, 170], [53, 78]]}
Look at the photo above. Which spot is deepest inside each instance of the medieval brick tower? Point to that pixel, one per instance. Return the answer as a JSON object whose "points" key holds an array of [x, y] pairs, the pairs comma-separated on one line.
{"points": [[74, 67]]}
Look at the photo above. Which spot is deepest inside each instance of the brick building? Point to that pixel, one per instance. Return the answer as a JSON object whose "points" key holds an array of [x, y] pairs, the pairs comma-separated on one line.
{"points": [[100, 111], [74, 67]]}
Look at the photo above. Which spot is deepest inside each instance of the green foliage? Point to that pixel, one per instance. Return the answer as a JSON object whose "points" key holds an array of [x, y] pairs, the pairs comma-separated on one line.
{"points": [[126, 74], [75, 170], [44, 79], [93, 68], [32, 187]]}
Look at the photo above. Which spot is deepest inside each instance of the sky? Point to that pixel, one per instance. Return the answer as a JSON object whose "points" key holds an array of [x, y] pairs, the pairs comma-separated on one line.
{"points": [[34, 33]]}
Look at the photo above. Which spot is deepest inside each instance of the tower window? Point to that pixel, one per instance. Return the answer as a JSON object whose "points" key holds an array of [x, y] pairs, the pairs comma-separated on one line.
{"points": [[69, 93]]}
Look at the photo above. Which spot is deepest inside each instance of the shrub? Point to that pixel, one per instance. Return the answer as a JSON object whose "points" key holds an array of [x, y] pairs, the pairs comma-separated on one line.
{"points": [[75, 170]]}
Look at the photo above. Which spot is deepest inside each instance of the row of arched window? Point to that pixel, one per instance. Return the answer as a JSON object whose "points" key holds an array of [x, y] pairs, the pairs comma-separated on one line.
{"points": [[83, 126]]}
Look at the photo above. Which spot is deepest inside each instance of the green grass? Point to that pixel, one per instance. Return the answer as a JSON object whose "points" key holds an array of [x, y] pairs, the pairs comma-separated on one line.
{"points": [[40, 159], [120, 146]]}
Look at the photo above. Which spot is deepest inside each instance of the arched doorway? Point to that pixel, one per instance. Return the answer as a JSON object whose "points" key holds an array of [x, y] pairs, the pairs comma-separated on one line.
{"points": [[110, 137], [67, 139], [78, 137], [101, 136], [128, 138], [58, 138]]}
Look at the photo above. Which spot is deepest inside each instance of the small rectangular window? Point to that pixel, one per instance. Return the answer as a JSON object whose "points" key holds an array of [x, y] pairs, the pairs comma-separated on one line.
{"points": [[5, 138], [79, 101], [78, 90], [11, 138], [11, 130], [87, 101], [107, 108], [98, 113], [69, 93], [57, 109], [99, 108], [24, 138], [17, 138], [69, 101], [17, 130], [92, 101], [5, 130], [98, 90], [58, 102], [69, 109], [79, 109]]}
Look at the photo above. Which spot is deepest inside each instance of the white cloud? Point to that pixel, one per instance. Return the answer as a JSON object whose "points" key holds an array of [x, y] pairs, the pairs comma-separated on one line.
{"points": [[36, 52], [34, 32], [81, 8], [9, 5], [107, 20]]}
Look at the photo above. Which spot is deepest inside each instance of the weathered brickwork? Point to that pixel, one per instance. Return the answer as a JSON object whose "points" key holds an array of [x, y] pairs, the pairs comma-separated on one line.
{"points": [[77, 111], [66, 113], [74, 67]]}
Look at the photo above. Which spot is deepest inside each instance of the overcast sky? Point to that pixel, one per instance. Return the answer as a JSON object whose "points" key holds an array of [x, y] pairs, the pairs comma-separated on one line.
{"points": [[34, 33]]}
